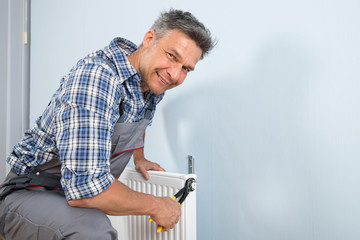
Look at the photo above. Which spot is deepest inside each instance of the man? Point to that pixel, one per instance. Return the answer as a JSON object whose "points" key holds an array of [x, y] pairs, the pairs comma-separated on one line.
{"points": [[93, 124]]}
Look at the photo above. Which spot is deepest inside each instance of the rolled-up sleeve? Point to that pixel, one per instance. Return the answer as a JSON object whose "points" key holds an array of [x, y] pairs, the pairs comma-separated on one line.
{"points": [[84, 122]]}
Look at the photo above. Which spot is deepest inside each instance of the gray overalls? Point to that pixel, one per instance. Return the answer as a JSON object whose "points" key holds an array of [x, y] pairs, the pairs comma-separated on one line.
{"points": [[126, 138], [40, 210]]}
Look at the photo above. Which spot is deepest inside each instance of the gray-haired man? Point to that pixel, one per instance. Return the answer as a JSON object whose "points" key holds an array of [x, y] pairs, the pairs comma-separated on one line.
{"points": [[64, 170]]}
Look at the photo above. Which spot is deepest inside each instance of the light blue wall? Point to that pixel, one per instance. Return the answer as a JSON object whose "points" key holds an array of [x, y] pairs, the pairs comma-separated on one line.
{"points": [[271, 116]]}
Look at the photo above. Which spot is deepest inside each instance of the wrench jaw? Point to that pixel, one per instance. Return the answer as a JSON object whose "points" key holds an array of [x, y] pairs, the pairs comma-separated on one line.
{"points": [[190, 185]]}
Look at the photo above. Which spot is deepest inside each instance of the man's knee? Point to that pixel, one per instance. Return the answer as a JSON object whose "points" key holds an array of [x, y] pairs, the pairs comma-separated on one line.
{"points": [[92, 227], [53, 216]]}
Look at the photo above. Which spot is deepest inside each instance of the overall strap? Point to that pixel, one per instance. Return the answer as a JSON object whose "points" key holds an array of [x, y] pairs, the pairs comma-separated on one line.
{"points": [[121, 112], [148, 111]]}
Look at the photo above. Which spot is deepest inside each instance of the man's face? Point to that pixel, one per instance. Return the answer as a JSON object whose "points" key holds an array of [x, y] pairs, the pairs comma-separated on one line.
{"points": [[166, 62]]}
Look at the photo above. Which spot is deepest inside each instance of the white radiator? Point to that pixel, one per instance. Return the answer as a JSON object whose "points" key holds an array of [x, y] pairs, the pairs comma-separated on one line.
{"points": [[160, 184]]}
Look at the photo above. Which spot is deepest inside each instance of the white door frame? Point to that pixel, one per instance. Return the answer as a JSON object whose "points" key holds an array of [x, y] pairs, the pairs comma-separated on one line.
{"points": [[14, 75]]}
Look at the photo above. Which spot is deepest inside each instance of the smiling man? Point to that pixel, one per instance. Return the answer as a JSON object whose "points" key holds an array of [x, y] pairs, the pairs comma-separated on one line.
{"points": [[166, 61], [64, 173]]}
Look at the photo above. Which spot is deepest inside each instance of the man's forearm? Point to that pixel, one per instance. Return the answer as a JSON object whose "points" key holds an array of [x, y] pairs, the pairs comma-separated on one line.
{"points": [[139, 153], [118, 199]]}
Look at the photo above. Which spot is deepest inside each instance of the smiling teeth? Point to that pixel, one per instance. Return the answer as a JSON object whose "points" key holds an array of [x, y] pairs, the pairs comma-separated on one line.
{"points": [[163, 81]]}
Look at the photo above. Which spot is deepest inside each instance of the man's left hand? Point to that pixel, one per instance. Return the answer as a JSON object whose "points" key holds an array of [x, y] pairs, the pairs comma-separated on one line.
{"points": [[143, 165]]}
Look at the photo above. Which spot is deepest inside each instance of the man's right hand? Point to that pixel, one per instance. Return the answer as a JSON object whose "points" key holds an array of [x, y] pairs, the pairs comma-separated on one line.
{"points": [[168, 213]]}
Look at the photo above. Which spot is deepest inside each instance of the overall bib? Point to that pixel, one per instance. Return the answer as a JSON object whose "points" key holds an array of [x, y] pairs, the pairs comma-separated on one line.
{"points": [[126, 138], [44, 194]]}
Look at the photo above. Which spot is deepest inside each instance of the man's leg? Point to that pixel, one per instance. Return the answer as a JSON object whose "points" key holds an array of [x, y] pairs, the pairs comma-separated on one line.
{"points": [[47, 215]]}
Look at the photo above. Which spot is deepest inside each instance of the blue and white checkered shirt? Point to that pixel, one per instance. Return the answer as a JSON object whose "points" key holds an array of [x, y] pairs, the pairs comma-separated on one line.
{"points": [[77, 125]]}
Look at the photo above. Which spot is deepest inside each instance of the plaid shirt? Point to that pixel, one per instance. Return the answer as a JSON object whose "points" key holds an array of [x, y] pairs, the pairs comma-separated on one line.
{"points": [[77, 125]]}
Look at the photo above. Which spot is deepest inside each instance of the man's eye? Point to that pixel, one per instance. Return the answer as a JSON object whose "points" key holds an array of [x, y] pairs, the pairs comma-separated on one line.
{"points": [[186, 69], [170, 55]]}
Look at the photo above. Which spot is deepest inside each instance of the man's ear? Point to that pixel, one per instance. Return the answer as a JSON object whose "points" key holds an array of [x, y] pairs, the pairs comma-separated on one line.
{"points": [[149, 38]]}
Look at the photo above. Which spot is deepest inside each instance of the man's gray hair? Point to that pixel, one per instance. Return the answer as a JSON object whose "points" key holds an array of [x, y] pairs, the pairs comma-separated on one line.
{"points": [[186, 23]]}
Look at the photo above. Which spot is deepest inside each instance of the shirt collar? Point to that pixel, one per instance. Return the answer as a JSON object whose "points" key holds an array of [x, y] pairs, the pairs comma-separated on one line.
{"points": [[120, 48]]}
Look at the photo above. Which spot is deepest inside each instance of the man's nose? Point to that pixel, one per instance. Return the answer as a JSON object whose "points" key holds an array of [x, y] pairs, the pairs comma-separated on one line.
{"points": [[175, 73]]}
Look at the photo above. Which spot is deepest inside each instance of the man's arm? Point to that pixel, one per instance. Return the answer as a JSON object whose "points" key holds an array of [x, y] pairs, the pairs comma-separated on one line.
{"points": [[118, 199], [142, 165]]}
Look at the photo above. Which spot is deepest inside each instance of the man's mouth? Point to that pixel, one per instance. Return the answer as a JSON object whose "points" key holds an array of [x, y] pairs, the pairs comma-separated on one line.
{"points": [[163, 80]]}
